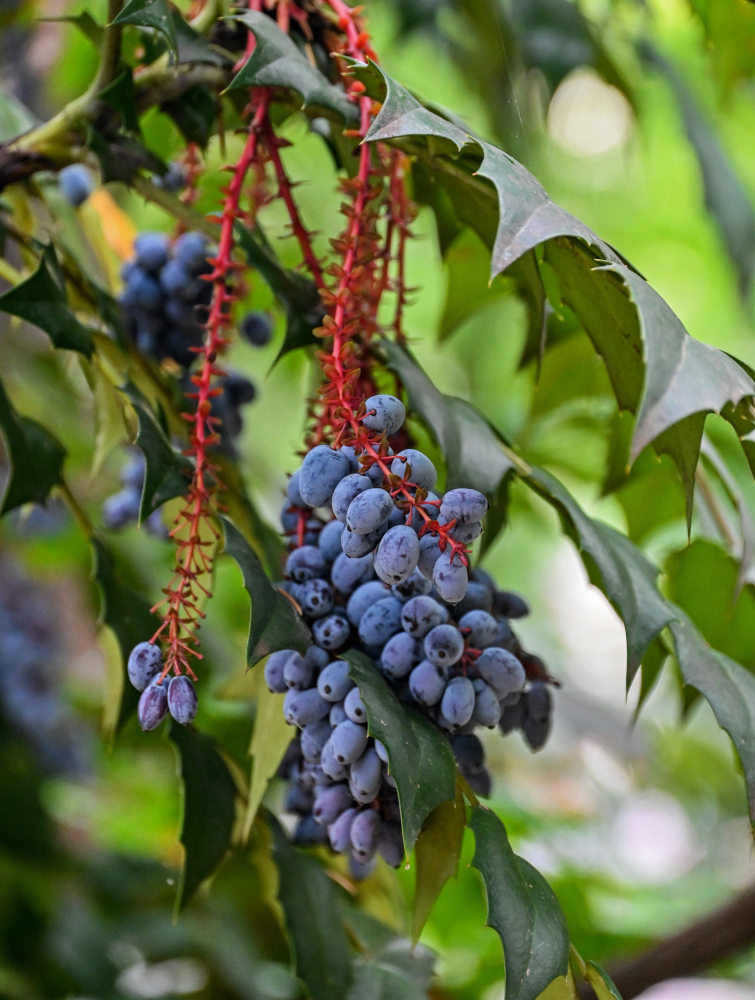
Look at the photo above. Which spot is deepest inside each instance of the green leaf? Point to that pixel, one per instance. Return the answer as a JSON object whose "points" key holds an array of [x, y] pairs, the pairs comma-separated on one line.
{"points": [[274, 623], [167, 472], [278, 62], [40, 299], [209, 807], [420, 756], [36, 457], [474, 452], [390, 964], [271, 737], [727, 687], [601, 982], [436, 857], [683, 376], [314, 920], [379, 981], [522, 909], [120, 95], [297, 294], [193, 48], [128, 615], [622, 572], [722, 613], [195, 114], [154, 14]]}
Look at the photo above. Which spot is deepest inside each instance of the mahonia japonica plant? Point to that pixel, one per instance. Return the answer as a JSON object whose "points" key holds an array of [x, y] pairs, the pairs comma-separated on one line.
{"points": [[383, 644]]}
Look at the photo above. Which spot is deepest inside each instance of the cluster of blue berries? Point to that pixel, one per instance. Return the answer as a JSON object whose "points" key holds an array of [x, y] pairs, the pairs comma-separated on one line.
{"points": [[385, 579], [166, 296], [31, 702], [159, 695]]}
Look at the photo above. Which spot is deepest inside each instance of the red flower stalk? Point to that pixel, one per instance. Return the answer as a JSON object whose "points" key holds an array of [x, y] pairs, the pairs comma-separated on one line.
{"points": [[195, 531]]}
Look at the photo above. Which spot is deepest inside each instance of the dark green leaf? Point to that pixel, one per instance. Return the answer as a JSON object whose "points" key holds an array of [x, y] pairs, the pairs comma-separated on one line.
{"points": [[522, 908], [84, 22], [209, 807], [725, 196], [297, 294], [473, 451], [727, 687], [195, 114], [193, 48], [155, 14], [120, 96], [722, 614], [40, 299], [167, 472], [314, 920], [436, 857], [274, 623], [420, 756], [624, 574], [36, 457], [683, 376], [129, 616], [278, 62]]}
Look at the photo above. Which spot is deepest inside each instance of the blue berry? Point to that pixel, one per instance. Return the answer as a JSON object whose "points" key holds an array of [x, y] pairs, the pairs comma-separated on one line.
{"points": [[399, 655], [427, 682], [364, 597], [397, 554], [145, 662], [502, 670], [334, 682], [257, 329], [190, 251], [331, 632], [348, 741], [385, 414], [458, 701], [444, 645], [415, 467], [153, 706], [380, 621], [450, 577], [76, 183], [463, 506], [182, 699], [151, 251], [420, 614], [321, 471]]}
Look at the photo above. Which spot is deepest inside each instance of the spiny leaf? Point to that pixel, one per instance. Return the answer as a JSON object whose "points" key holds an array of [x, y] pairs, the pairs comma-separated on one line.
{"points": [[128, 615], [167, 473], [278, 62], [314, 920], [437, 854], [195, 114], [522, 909], [209, 807], [154, 14], [40, 299], [274, 622], [420, 756], [36, 457], [727, 687]]}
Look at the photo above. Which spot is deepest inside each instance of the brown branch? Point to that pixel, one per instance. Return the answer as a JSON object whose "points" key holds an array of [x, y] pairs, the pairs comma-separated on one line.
{"points": [[716, 936]]}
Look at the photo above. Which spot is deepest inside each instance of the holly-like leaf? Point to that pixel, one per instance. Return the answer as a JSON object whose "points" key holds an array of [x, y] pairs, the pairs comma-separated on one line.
{"points": [[40, 299], [522, 909], [274, 622], [278, 62], [36, 457], [129, 617], [120, 95], [436, 857], [156, 14], [167, 472], [314, 920], [728, 688], [629, 581], [420, 757], [270, 739], [474, 453], [195, 114], [209, 807]]}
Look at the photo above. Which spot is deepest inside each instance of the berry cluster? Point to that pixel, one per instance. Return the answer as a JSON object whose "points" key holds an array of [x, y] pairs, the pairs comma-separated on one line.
{"points": [[389, 576], [158, 696], [167, 296]]}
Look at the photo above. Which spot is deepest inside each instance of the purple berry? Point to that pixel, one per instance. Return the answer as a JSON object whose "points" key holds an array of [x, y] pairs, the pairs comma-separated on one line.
{"points": [[182, 699]]}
